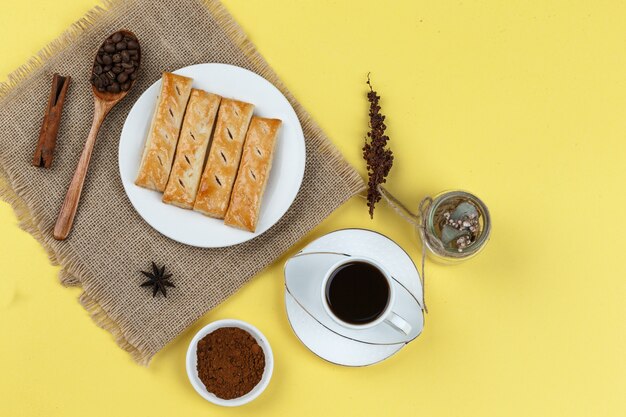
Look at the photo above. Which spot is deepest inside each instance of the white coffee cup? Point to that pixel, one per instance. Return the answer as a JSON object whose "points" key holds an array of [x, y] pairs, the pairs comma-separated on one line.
{"points": [[387, 316]]}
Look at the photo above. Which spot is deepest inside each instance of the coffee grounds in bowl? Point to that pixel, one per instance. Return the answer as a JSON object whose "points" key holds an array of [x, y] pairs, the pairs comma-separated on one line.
{"points": [[230, 362]]}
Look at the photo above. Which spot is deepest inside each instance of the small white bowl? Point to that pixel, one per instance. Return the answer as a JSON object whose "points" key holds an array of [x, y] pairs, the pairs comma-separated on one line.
{"points": [[192, 360]]}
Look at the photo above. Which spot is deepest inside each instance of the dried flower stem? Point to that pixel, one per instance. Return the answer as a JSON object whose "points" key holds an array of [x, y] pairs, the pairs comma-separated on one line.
{"points": [[378, 159]]}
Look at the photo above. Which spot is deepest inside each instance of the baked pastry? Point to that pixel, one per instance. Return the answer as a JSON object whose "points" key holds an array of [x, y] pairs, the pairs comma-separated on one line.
{"points": [[219, 174], [158, 152], [191, 150], [254, 170]]}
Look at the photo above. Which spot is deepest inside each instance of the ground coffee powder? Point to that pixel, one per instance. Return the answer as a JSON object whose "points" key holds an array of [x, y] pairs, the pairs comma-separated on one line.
{"points": [[230, 362]]}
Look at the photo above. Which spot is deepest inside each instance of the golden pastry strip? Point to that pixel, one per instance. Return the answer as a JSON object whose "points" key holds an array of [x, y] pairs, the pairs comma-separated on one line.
{"points": [[160, 146], [194, 140], [256, 163], [221, 168]]}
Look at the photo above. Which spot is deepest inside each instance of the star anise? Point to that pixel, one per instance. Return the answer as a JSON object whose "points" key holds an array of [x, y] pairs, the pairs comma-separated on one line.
{"points": [[158, 279]]}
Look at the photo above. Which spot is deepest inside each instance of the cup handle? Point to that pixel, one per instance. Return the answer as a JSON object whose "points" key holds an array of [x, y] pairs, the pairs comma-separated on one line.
{"points": [[398, 323]]}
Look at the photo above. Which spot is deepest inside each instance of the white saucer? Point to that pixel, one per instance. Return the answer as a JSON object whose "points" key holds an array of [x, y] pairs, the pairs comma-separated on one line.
{"points": [[329, 345]]}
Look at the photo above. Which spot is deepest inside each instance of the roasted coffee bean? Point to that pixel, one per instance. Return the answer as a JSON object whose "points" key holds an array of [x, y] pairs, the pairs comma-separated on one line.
{"points": [[99, 59], [120, 46], [110, 48], [104, 80], [133, 76], [106, 68], [125, 86], [117, 69], [133, 44], [97, 69], [122, 78], [125, 56], [117, 58], [129, 70], [106, 59], [127, 65], [111, 75], [116, 37], [113, 88]]}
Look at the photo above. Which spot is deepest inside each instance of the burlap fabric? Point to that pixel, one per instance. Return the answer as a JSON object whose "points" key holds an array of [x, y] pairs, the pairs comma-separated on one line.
{"points": [[110, 243]]}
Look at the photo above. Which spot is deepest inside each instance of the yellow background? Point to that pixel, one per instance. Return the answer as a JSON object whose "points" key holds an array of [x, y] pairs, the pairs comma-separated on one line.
{"points": [[521, 102]]}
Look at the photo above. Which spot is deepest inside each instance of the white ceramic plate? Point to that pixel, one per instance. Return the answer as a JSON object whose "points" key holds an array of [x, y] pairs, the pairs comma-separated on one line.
{"points": [[192, 362], [329, 345], [187, 226]]}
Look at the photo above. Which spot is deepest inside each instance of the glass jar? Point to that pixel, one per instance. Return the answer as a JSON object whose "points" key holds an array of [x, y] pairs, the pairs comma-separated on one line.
{"points": [[430, 236]]}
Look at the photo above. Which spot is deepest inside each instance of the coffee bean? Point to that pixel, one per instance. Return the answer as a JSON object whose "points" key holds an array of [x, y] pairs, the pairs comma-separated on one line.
{"points": [[117, 69], [127, 65], [129, 71], [122, 78], [97, 69], [104, 80], [113, 88], [133, 76], [117, 58], [99, 59], [117, 36], [133, 45], [106, 59], [111, 75], [102, 89], [110, 48], [126, 86], [125, 56], [106, 68], [120, 46]]}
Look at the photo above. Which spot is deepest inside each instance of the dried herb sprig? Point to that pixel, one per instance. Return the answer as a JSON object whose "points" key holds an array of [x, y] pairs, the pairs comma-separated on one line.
{"points": [[378, 158]]}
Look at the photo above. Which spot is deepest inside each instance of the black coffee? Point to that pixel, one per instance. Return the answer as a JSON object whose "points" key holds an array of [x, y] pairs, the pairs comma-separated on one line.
{"points": [[357, 292]]}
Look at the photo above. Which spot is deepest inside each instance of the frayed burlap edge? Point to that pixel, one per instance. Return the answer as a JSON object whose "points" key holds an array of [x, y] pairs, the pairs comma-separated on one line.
{"points": [[70, 268]]}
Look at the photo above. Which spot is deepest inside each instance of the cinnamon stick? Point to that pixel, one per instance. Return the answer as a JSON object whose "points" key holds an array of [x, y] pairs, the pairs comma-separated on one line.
{"points": [[52, 118]]}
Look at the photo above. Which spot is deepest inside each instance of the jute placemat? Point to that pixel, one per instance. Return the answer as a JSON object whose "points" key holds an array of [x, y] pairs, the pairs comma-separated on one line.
{"points": [[110, 243]]}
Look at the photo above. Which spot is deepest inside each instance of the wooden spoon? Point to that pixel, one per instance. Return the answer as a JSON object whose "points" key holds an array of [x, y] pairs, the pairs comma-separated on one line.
{"points": [[104, 101]]}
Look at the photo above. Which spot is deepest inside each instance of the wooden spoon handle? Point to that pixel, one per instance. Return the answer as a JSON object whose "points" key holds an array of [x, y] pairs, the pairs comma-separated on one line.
{"points": [[70, 204]]}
